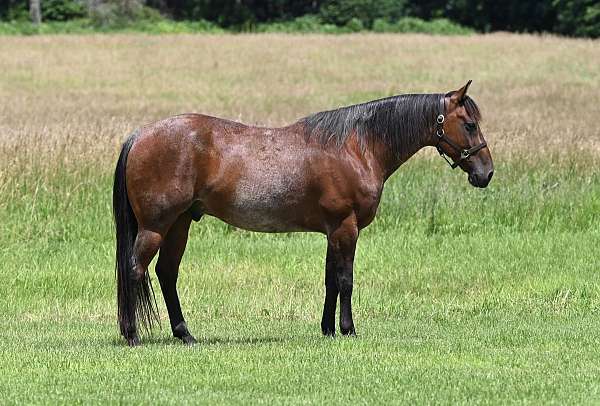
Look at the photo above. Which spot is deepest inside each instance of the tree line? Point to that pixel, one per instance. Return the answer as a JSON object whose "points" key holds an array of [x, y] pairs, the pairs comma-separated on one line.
{"points": [[565, 17]]}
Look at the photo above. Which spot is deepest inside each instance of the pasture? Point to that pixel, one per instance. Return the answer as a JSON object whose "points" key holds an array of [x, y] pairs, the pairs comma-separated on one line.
{"points": [[461, 295]]}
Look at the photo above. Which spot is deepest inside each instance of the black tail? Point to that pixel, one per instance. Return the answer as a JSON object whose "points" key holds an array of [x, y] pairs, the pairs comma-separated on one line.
{"points": [[135, 299]]}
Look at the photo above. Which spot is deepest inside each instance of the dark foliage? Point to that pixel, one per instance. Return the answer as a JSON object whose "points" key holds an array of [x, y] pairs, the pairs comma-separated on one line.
{"points": [[366, 11], [13, 10], [490, 15], [578, 17], [567, 17], [62, 10], [236, 13]]}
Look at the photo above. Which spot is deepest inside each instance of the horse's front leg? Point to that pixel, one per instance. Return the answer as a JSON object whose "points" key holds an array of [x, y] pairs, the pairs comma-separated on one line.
{"points": [[342, 242], [331, 295]]}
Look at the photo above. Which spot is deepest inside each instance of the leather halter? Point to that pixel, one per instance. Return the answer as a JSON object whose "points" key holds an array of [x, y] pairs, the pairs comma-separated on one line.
{"points": [[441, 136]]}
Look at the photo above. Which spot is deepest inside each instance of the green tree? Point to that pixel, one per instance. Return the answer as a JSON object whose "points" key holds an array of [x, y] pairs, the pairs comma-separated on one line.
{"points": [[342, 12], [62, 10], [236, 13], [578, 17], [490, 15]]}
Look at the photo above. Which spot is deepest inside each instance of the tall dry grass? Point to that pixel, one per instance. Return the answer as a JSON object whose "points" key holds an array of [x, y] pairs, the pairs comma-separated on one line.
{"points": [[70, 100]]}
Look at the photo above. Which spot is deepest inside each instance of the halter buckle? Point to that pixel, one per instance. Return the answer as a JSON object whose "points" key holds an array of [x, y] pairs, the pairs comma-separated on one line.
{"points": [[464, 154]]}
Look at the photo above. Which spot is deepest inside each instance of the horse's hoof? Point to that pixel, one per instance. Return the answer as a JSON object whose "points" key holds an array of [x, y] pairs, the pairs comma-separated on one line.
{"points": [[328, 327], [189, 340], [133, 341], [349, 332], [328, 332], [181, 331]]}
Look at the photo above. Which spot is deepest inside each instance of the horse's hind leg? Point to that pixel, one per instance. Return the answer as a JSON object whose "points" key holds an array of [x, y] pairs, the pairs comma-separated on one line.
{"points": [[146, 246], [167, 270]]}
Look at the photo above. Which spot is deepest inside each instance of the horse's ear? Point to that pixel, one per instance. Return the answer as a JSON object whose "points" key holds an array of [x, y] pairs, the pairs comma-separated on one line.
{"points": [[458, 97]]}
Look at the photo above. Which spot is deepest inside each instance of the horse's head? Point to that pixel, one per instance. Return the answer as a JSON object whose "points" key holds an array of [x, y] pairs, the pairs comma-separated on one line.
{"points": [[460, 137]]}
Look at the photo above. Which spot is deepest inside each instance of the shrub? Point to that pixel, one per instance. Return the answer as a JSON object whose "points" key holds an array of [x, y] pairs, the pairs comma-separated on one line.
{"points": [[62, 10], [439, 26], [304, 24], [355, 25], [78, 26], [342, 12], [83, 25], [115, 14]]}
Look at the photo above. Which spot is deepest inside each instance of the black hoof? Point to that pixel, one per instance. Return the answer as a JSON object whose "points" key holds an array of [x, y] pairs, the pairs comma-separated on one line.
{"points": [[189, 340], [328, 332], [181, 331], [133, 341], [349, 332], [328, 327]]}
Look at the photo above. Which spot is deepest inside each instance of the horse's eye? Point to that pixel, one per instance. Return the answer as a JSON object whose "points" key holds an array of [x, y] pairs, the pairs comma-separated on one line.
{"points": [[470, 127]]}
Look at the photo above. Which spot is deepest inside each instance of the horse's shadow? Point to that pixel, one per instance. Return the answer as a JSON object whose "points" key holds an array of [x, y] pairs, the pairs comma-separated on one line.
{"points": [[203, 341]]}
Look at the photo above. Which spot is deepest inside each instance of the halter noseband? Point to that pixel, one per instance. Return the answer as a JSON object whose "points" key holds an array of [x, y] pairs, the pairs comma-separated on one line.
{"points": [[441, 136]]}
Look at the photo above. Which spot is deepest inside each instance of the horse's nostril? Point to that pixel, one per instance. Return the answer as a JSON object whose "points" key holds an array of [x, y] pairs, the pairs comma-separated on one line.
{"points": [[490, 175]]}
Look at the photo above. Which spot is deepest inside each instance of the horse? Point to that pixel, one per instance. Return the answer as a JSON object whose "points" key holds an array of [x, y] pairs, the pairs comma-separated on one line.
{"points": [[325, 173]]}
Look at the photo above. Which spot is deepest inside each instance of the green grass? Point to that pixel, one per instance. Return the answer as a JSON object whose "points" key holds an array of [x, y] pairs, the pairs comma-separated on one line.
{"points": [[461, 296], [86, 26], [160, 25]]}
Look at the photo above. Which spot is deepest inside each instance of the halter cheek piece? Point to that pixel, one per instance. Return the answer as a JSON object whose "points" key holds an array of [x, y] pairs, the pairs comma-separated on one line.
{"points": [[441, 136]]}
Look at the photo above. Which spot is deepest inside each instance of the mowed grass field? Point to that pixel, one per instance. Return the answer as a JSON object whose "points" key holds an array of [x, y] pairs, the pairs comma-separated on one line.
{"points": [[461, 295]]}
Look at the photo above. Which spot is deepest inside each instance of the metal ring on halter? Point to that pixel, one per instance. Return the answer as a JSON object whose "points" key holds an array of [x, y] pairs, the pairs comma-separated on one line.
{"points": [[440, 119]]}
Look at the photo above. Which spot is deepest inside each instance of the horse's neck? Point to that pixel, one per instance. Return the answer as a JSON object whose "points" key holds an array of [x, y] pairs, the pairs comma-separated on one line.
{"points": [[390, 160]]}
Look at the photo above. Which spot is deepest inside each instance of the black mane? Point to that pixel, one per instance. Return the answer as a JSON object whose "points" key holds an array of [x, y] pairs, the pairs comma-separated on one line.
{"points": [[399, 122]]}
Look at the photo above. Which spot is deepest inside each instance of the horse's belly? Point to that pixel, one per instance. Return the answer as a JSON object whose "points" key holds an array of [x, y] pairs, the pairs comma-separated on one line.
{"points": [[262, 220], [271, 203]]}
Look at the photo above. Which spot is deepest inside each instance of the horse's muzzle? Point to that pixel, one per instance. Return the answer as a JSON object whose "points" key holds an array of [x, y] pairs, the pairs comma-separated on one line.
{"points": [[480, 180]]}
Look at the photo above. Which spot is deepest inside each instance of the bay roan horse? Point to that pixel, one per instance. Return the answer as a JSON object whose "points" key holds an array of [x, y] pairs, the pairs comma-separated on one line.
{"points": [[324, 173]]}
